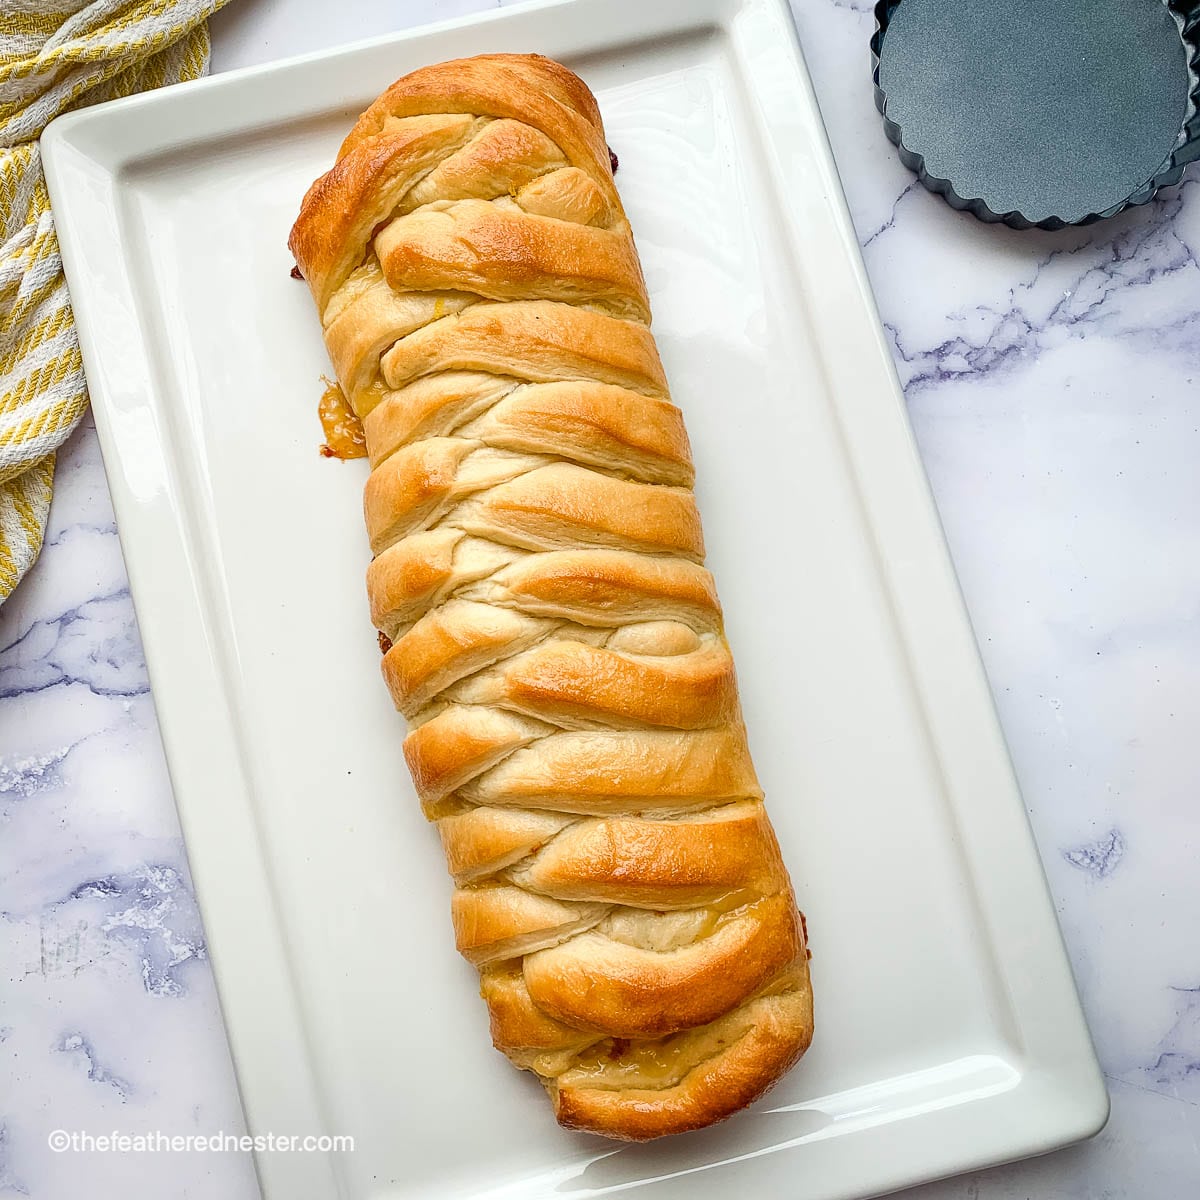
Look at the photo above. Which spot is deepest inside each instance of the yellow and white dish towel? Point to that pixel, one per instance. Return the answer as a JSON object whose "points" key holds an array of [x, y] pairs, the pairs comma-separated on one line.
{"points": [[57, 55]]}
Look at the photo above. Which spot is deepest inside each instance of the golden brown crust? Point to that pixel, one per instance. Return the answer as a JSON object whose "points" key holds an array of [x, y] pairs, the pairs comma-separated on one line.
{"points": [[508, 254], [461, 742], [530, 1037], [457, 639], [537, 340], [408, 492], [570, 683], [342, 208], [594, 424], [562, 506], [654, 863], [433, 406], [599, 772], [369, 319], [606, 587], [633, 990], [725, 1066], [483, 841], [502, 160], [528, 88], [408, 577], [493, 922], [548, 627]]}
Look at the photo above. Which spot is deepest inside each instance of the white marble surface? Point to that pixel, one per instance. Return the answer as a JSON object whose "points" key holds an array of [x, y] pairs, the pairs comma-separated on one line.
{"points": [[1050, 379]]}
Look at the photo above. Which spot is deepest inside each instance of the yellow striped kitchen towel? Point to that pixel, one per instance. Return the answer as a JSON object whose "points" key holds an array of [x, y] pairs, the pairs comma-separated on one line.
{"points": [[57, 55]]}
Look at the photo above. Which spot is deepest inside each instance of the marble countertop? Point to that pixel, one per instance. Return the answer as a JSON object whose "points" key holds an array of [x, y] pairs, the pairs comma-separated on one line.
{"points": [[1050, 381]]}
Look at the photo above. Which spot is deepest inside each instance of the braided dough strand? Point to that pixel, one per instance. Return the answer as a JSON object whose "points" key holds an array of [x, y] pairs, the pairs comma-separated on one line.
{"points": [[556, 643]]}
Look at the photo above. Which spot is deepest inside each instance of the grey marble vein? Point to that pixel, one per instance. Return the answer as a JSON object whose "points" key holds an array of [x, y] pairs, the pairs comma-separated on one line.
{"points": [[77, 1047], [1103, 287], [890, 223], [24, 777], [1175, 1070], [10, 1183], [152, 911], [94, 645], [1100, 858]]}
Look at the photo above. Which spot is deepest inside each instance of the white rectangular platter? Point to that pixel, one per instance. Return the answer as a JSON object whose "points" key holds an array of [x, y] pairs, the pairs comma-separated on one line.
{"points": [[948, 1030]]}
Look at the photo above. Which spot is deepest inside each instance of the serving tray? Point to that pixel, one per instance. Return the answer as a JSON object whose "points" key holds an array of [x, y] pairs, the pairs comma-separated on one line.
{"points": [[949, 1034]]}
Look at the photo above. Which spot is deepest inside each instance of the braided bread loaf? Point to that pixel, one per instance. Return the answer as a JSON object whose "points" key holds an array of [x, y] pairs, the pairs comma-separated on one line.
{"points": [[555, 641]]}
